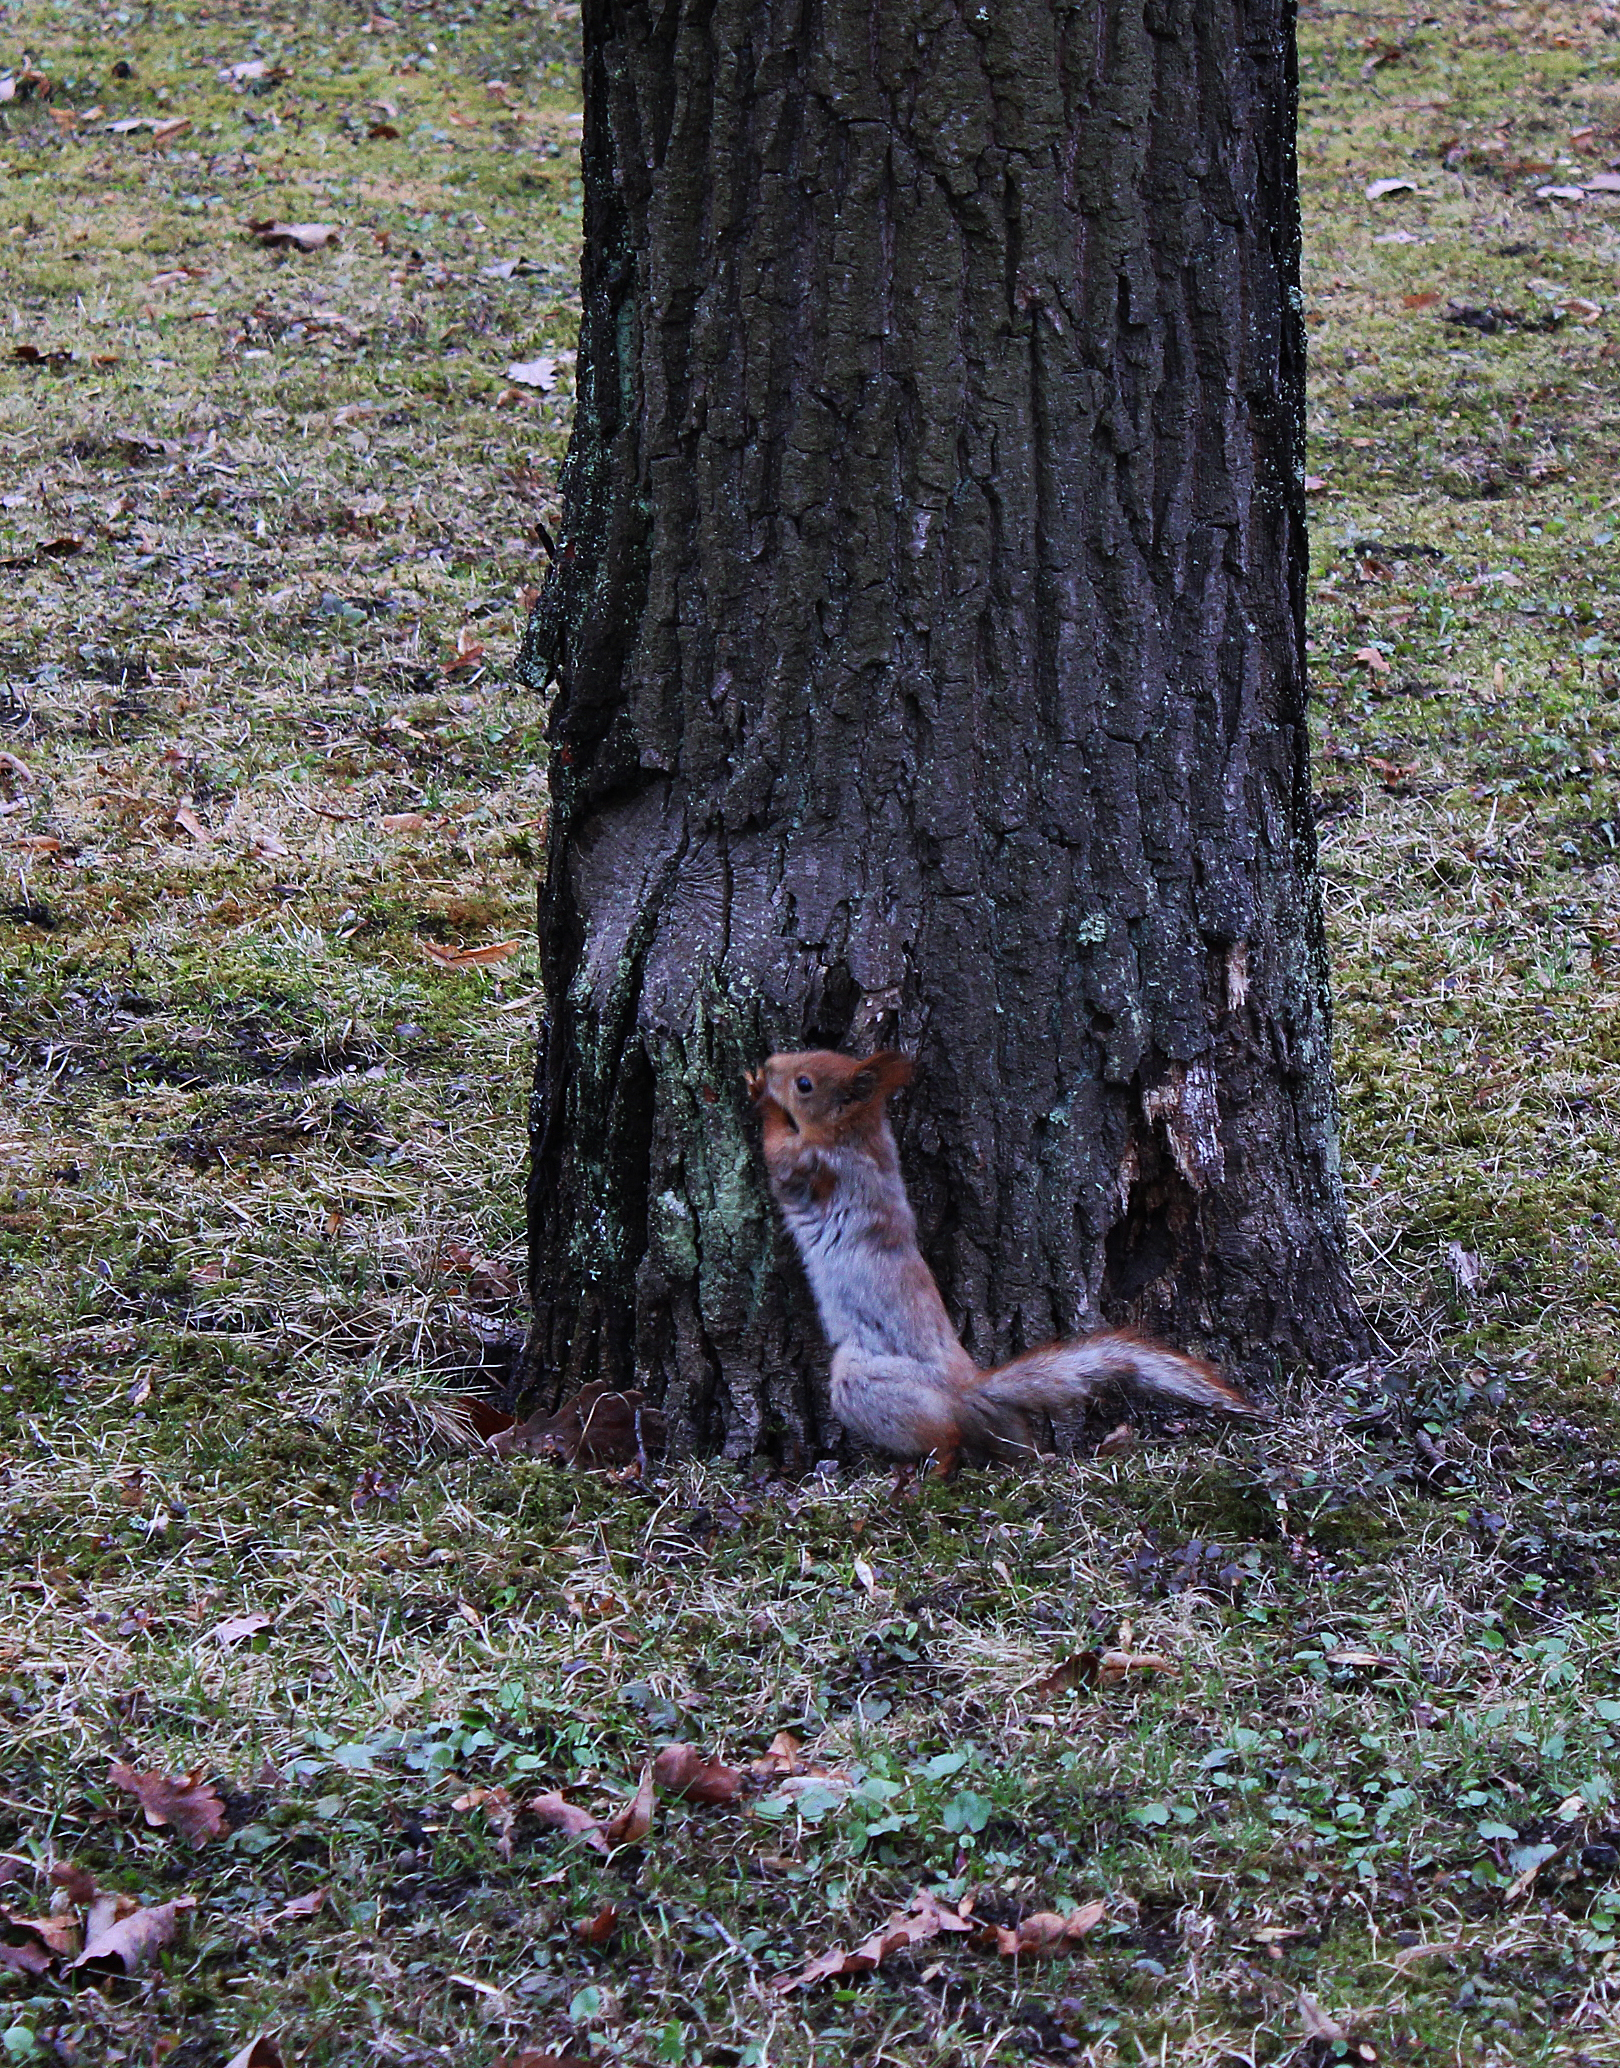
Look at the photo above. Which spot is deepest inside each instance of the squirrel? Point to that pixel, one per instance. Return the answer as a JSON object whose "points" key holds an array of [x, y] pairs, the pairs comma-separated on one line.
{"points": [[901, 1379]]}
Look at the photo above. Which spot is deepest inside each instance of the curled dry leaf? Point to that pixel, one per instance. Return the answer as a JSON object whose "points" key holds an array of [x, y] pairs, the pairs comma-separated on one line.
{"points": [[597, 1930], [597, 1427], [1317, 2023], [924, 1917], [275, 236], [405, 822], [1113, 1667], [682, 1771], [58, 1933], [634, 1821], [1379, 190], [263, 2051], [184, 1801], [27, 1959], [1118, 1440], [1044, 1932], [119, 1930], [559, 1815], [189, 823]]}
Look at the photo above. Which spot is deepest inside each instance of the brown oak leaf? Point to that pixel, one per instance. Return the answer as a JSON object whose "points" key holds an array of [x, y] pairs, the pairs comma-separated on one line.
{"points": [[559, 1815], [1045, 1932], [682, 1771], [184, 1801], [923, 1918], [634, 1821]]}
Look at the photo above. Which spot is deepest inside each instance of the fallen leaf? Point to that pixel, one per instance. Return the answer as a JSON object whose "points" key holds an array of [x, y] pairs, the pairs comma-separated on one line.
{"points": [[261, 2052], [299, 1906], [1378, 189], [562, 1816], [119, 1930], [38, 843], [1603, 183], [1419, 301], [1079, 1671], [405, 822], [1465, 1267], [923, 1918], [188, 822], [183, 1801], [596, 1427], [486, 1420], [382, 132], [171, 126], [469, 651], [1045, 1932], [682, 1771], [1371, 659], [1119, 1439], [275, 235], [1560, 193], [634, 1821], [23, 1960], [534, 373], [866, 1576], [1317, 2023], [235, 1628], [1359, 1658], [491, 1277], [597, 1930], [1115, 1666], [1314, 484], [469, 958], [78, 1881], [783, 1755], [58, 1933]]}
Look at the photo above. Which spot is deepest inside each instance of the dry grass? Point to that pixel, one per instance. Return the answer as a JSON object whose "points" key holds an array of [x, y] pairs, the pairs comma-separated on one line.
{"points": [[260, 1160]]}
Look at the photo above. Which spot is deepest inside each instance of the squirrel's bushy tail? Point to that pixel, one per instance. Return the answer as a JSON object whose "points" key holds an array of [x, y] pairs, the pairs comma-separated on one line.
{"points": [[1054, 1384]]}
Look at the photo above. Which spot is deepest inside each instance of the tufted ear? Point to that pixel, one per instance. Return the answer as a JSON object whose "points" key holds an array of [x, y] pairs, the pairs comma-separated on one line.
{"points": [[878, 1075]]}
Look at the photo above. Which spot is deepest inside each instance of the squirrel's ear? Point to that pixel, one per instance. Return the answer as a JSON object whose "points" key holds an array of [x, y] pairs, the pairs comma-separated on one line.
{"points": [[878, 1076], [893, 1069]]}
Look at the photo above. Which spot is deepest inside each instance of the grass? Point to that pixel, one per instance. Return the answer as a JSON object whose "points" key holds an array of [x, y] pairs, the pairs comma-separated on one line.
{"points": [[261, 1147]]}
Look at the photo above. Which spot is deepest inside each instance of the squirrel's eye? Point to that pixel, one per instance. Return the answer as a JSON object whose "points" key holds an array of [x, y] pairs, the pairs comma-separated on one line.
{"points": [[804, 1084]]}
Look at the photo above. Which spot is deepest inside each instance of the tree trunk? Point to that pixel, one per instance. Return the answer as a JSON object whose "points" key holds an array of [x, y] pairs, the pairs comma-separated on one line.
{"points": [[928, 623]]}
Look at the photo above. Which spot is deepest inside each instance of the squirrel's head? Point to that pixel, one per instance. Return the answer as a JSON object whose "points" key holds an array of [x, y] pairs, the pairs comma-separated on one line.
{"points": [[817, 1086]]}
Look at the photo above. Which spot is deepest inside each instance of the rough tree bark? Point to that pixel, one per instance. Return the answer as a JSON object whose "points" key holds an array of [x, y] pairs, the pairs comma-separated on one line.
{"points": [[929, 640]]}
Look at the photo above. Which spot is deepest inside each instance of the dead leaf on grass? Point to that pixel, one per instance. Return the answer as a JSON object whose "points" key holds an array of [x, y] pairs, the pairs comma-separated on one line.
{"points": [[119, 1930], [189, 823], [183, 1801], [682, 1771], [1419, 301], [534, 373], [1465, 1267], [405, 822], [1379, 190], [500, 1812], [567, 1817], [1371, 659], [299, 1906], [263, 2051], [469, 958], [469, 651], [38, 843], [1044, 1932], [78, 1881], [278, 236], [634, 1821], [235, 1628], [925, 1917], [597, 1930], [58, 1933], [27, 1960]]}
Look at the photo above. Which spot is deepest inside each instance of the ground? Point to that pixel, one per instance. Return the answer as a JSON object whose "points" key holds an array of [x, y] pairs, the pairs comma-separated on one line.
{"points": [[270, 818]]}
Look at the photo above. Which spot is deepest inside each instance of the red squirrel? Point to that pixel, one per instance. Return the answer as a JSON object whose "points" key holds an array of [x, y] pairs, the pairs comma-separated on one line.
{"points": [[901, 1380]]}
